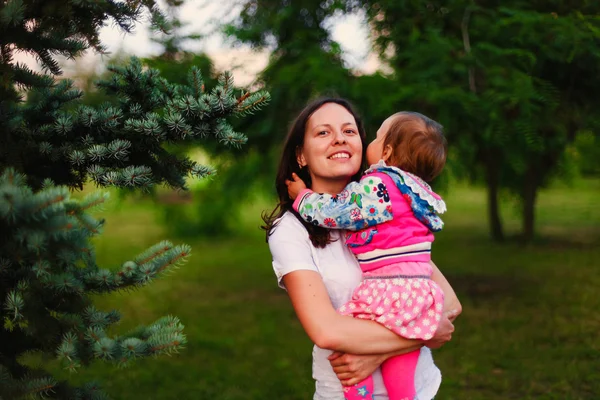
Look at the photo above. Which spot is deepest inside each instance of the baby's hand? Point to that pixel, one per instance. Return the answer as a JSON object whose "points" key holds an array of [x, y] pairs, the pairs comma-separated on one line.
{"points": [[295, 186]]}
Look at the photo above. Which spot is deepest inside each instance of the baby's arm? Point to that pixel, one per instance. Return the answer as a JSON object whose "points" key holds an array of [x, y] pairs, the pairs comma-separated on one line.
{"points": [[359, 205]]}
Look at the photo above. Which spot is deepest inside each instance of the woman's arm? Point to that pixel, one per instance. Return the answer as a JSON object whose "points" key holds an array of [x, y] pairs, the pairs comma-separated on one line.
{"points": [[352, 368], [451, 302], [330, 330]]}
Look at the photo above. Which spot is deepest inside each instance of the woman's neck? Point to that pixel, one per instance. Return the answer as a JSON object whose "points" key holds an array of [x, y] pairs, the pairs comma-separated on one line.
{"points": [[329, 186]]}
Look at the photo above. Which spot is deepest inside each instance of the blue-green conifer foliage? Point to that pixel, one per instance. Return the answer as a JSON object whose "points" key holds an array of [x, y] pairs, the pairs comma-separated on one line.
{"points": [[50, 145]]}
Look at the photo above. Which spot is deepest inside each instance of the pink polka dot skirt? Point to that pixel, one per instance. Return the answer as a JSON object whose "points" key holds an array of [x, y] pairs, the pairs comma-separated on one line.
{"points": [[409, 306]]}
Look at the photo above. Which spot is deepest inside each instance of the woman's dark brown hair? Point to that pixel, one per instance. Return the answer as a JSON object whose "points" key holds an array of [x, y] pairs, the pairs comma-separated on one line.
{"points": [[288, 164], [418, 145]]}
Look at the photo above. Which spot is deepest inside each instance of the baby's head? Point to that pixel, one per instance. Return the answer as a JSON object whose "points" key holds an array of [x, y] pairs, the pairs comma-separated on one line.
{"points": [[411, 142]]}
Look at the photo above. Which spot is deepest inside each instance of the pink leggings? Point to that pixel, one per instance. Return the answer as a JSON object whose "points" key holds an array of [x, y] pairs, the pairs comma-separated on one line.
{"points": [[398, 376]]}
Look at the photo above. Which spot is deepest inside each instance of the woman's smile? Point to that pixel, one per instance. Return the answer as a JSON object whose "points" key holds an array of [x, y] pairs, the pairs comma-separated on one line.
{"points": [[340, 156]]}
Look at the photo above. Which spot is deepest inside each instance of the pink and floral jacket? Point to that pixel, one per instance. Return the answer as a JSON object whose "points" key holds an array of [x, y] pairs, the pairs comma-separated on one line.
{"points": [[392, 212]]}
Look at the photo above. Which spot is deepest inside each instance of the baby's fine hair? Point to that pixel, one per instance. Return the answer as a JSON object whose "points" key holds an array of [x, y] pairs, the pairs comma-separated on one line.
{"points": [[418, 145]]}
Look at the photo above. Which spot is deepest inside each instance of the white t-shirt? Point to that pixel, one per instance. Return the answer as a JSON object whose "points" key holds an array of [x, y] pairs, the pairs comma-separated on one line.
{"points": [[292, 250]]}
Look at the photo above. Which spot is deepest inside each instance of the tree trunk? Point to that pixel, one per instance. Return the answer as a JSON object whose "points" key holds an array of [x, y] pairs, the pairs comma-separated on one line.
{"points": [[491, 164], [529, 197], [493, 186]]}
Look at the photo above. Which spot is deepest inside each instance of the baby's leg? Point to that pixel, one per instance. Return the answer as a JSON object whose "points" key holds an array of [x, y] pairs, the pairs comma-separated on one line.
{"points": [[399, 375], [361, 391]]}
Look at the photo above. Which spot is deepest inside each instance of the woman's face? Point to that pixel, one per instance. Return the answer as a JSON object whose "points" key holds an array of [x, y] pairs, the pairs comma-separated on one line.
{"points": [[332, 147]]}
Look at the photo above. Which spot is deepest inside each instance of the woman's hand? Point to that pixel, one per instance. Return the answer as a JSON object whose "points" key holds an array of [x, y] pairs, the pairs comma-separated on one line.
{"points": [[444, 330], [352, 369]]}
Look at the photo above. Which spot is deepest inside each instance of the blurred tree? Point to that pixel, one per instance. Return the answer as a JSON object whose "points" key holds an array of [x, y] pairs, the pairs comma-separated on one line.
{"points": [[305, 62], [513, 82], [48, 269]]}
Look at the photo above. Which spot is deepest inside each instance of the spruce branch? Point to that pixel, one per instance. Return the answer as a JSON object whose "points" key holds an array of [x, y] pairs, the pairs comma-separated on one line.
{"points": [[41, 387], [13, 305], [49, 200], [77, 157], [252, 102], [25, 77], [63, 125], [4, 265], [201, 130], [12, 13], [91, 391], [196, 82], [89, 202], [203, 171], [153, 252]]}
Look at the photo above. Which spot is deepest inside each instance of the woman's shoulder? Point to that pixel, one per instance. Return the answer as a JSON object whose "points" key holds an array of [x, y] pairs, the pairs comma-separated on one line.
{"points": [[288, 226]]}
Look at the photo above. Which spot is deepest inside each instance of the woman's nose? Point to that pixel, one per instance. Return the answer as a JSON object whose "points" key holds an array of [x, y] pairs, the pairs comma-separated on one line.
{"points": [[339, 138]]}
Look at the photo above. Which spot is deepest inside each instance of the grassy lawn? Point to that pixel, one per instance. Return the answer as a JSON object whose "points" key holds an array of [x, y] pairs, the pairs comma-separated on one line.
{"points": [[529, 327]]}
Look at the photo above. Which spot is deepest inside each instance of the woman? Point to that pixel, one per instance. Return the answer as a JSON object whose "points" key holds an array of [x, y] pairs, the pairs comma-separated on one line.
{"points": [[325, 148]]}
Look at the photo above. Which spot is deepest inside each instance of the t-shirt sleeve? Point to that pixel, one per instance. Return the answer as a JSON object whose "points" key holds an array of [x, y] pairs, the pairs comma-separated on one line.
{"points": [[291, 248]]}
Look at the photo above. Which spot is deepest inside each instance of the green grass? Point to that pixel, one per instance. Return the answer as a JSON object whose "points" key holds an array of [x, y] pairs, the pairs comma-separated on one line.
{"points": [[529, 327]]}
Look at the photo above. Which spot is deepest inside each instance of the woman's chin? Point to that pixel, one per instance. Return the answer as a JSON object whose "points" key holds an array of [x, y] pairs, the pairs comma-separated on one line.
{"points": [[344, 165], [343, 173]]}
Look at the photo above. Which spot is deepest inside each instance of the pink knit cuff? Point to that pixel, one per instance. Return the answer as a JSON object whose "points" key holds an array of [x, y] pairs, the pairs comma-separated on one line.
{"points": [[301, 196]]}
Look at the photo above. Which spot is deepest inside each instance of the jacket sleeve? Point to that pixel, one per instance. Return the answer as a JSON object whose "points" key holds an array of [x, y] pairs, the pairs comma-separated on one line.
{"points": [[359, 205]]}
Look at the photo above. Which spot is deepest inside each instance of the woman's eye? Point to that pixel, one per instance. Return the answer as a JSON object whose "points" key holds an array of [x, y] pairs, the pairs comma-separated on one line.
{"points": [[322, 133], [350, 132]]}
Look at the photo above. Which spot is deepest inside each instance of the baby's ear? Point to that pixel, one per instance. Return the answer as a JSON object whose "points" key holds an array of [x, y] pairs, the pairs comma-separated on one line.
{"points": [[387, 153]]}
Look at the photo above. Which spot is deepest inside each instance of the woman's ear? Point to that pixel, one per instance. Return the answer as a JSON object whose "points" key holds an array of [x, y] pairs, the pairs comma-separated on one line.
{"points": [[300, 158], [387, 152]]}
